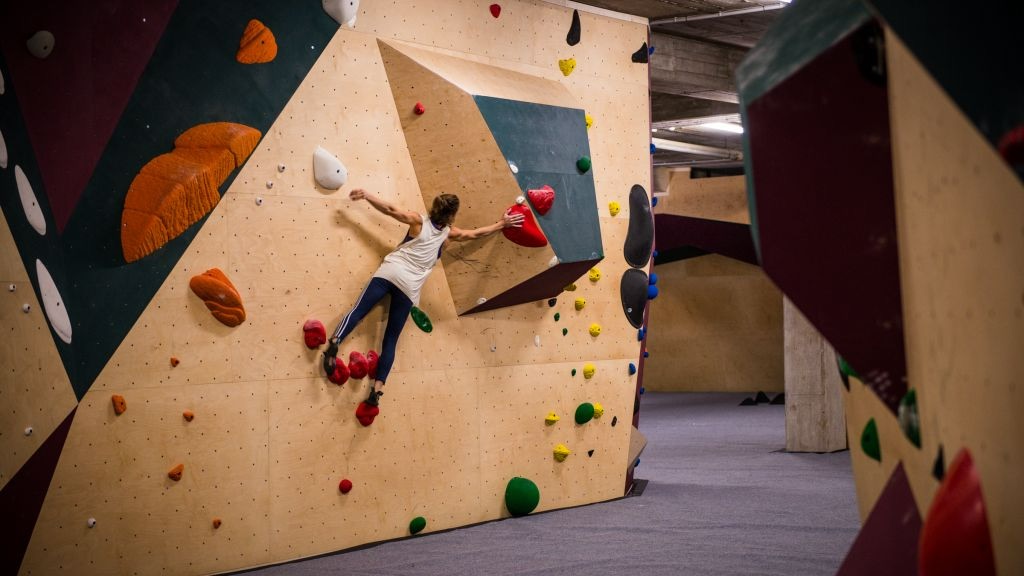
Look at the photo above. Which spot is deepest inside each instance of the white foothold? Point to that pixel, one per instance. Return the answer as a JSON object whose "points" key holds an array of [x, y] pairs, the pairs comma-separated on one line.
{"points": [[33, 212], [3, 151], [53, 304], [520, 200], [12, 287], [259, 201], [29, 431], [26, 307], [91, 522], [40, 44], [280, 167], [270, 184], [553, 262], [494, 348], [481, 300], [343, 11], [629, 310], [536, 340], [329, 172], [512, 166]]}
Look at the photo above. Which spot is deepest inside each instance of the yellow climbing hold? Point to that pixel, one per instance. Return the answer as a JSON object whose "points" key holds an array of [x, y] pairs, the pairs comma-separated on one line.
{"points": [[551, 418], [580, 303], [594, 274], [598, 410], [561, 452], [589, 119], [614, 208], [595, 329], [570, 288], [567, 66], [588, 370]]}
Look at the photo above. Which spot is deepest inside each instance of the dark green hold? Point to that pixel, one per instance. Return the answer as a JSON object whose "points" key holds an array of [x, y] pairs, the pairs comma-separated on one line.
{"points": [[417, 525], [557, 316], [521, 496], [869, 441], [421, 319], [583, 164], [584, 413], [573, 371], [845, 369], [565, 331], [908, 418]]}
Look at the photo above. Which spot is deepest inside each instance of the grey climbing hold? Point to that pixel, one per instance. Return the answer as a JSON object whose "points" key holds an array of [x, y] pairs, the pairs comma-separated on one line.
{"points": [[41, 44]]}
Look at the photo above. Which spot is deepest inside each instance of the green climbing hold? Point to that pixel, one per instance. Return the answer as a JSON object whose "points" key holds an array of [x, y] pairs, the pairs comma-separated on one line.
{"points": [[583, 164], [845, 369], [521, 496], [417, 525], [584, 413], [573, 371], [565, 331], [907, 416], [421, 319], [869, 441], [557, 316]]}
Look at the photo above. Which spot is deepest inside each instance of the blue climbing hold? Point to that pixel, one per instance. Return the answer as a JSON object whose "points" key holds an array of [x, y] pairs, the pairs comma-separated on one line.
{"points": [[646, 354], [652, 292], [655, 255], [650, 50], [654, 201], [642, 390], [653, 148], [632, 368], [640, 334], [652, 279]]}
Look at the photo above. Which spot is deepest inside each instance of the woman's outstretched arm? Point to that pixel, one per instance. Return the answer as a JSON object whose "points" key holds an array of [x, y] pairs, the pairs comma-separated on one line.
{"points": [[507, 220], [383, 206]]}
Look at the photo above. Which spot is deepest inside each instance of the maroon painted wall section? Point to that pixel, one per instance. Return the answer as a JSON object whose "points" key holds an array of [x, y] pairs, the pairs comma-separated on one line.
{"points": [[725, 238], [73, 99], [887, 543], [547, 284], [822, 175]]}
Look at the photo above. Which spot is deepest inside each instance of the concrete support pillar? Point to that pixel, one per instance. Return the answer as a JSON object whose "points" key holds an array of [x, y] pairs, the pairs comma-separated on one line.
{"points": [[815, 421]]}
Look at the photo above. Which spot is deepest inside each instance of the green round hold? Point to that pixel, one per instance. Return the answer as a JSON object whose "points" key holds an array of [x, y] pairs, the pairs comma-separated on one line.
{"points": [[565, 331], [869, 441], [557, 316], [421, 319], [417, 525], [845, 369], [584, 413], [573, 371], [583, 164], [521, 496]]}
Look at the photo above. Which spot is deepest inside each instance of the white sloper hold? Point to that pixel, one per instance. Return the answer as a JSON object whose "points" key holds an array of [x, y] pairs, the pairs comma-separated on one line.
{"points": [[329, 172], [3, 151], [29, 202], [41, 44], [56, 312], [343, 11]]}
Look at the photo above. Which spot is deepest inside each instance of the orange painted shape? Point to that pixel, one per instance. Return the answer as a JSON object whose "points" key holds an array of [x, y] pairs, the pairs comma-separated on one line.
{"points": [[220, 296], [119, 404], [257, 45]]}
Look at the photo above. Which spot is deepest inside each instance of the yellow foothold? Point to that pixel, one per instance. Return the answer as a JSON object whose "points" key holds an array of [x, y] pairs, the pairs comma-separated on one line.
{"points": [[567, 66], [614, 208], [595, 329], [589, 119], [598, 410], [580, 303], [588, 370], [561, 452], [551, 418], [595, 274], [570, 288]]}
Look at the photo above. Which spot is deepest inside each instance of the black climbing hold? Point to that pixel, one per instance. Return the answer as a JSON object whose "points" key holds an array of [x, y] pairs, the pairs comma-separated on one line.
{"points": [[640, 234], [633, 293], [939, 468], [552, 302], [590, 452], [615, 420], [780, 398], [762, 398], [573, 37], [748, 402], [641, 56]]}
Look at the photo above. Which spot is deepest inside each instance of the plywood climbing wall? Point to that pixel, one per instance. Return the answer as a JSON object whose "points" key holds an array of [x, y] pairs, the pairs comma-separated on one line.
{"points": [[464, 406], [960, 215]]}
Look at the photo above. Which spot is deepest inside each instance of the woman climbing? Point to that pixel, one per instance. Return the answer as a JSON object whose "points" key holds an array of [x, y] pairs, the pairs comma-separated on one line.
{"points": [[403, 272]]}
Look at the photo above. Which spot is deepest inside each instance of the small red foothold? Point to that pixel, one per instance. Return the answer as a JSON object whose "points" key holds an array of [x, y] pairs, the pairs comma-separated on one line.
{"points": [[176, 472], [188, 415], [495, 10], [419, 108], [314, 333], [542, 198], [357, 366], [340, 374], [371, 360], [216, 523], [366, 413], [345, 486], [174, 361]]}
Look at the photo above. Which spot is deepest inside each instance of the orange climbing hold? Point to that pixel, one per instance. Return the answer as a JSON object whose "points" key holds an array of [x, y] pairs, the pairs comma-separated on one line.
{"points": [[175, 361], [119, 404], [188, 415], [220, 296], [176, 472], [257, 45], [216, 523], [173, 191]]}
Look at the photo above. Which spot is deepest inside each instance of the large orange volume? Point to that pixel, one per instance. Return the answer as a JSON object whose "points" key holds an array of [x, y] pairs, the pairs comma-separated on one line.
{"points": [[220, 296], [174, 190], [257, 45]]}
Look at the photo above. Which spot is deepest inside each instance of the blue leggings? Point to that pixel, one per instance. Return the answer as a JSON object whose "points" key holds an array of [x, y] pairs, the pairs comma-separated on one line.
{"points": [[374, 292]]}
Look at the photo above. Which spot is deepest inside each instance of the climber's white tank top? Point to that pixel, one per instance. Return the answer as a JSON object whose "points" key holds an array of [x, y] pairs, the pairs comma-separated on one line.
{"points": [[408, 266]]}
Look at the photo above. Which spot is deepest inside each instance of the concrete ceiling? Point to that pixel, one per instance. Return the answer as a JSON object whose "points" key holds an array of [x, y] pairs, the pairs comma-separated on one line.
{"points": [[697, 46]]}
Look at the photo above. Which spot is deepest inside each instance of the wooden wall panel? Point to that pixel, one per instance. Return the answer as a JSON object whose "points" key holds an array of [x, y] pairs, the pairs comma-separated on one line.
{"points": [[721, 198]]}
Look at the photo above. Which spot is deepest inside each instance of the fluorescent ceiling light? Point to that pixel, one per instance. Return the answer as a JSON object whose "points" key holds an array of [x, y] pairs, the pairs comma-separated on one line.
{"points": [[724, 127]]}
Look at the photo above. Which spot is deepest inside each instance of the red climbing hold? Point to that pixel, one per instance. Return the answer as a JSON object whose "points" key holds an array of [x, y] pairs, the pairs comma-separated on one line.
{"points": [[340, 374], [357, 366], [315, 333], [495, 10], [529, 233], [1011, 146], [371, 361], [955, 538], [345, 486], [542, 198], [419, 108], [366, 413], [175, 361]]}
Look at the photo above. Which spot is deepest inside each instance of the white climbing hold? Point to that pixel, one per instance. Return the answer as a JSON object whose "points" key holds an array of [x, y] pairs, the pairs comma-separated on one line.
{"points": [[91, 522], [12, 287], [553, 262], [29, 431], [513, 167], [28, 201], [40, 44], [343, 11], [3, 151], [536, 340], [280, 167], [520, 200], [481, 300], [259, 201], [53, 303], [329, 172], [270, 184], [26, 307]]}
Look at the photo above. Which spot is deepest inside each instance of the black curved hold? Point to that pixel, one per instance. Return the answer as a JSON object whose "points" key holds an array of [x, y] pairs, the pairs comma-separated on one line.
{"points": [[640, 236], [573, 37], [633, 290], [641, 56]]}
